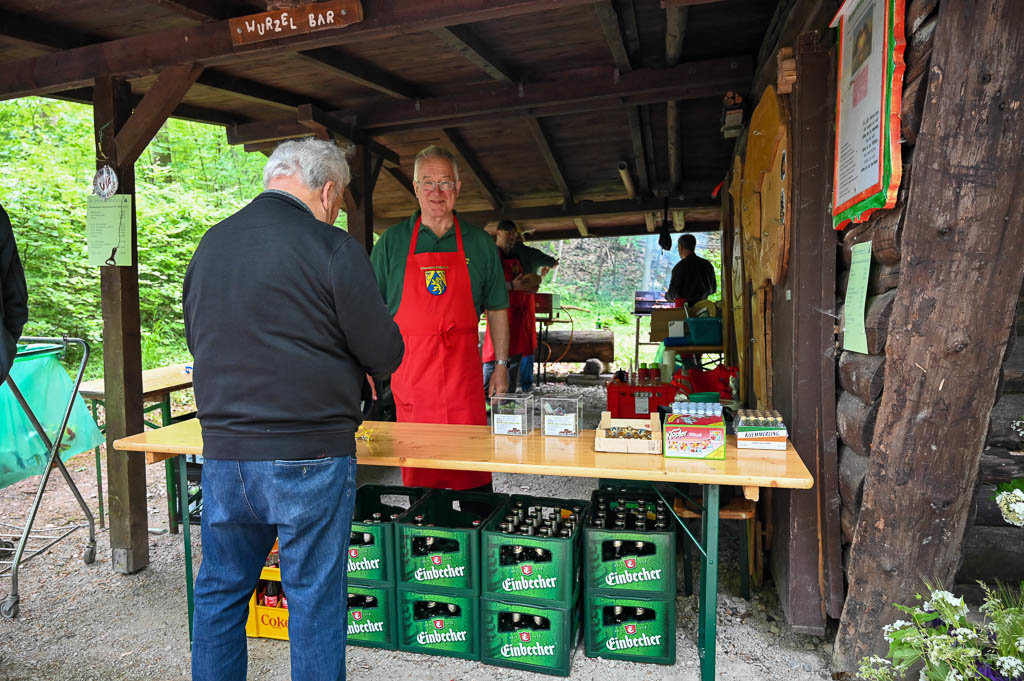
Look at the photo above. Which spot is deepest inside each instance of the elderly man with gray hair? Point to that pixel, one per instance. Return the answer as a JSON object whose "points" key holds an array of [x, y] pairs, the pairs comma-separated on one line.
{"points": [[284, 319]]}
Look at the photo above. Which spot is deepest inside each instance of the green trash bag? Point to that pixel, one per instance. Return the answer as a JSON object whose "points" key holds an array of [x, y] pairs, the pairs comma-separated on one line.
{"points": [[46, 387]]}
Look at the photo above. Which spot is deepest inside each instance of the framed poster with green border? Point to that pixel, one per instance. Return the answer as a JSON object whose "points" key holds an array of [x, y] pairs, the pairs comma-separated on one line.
{"points": [[868, 167]]}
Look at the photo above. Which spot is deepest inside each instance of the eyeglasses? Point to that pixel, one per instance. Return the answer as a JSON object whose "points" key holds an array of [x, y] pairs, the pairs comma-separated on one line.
{"points": [[430, 185]]}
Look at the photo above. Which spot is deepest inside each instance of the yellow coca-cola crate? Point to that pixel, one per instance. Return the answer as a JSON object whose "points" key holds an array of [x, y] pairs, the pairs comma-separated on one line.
{"points": [[264, 621]]}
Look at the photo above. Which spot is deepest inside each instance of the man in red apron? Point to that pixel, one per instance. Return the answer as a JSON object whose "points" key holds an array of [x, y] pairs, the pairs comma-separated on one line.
{"points": [[436, 275], [522, 324]]}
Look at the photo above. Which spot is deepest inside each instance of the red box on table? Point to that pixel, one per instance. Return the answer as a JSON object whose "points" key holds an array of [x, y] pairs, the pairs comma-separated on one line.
{"points": [[638, 401]]}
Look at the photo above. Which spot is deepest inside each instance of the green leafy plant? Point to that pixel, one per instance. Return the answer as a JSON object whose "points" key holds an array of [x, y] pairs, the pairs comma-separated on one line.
{"points": [[941, 637]]}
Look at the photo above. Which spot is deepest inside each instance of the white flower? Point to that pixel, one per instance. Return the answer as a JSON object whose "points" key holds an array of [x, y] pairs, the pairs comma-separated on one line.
{"points": [[1009, 666], [890, 629], [962, 634], [874, 659], [1020, 644], [953, 675], [939, 596], [921, 676], [1011, 504]]}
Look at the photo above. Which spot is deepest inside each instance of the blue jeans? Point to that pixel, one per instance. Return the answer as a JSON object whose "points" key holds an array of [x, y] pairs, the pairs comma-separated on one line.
{"points": [[307, 505], [526, 372]]}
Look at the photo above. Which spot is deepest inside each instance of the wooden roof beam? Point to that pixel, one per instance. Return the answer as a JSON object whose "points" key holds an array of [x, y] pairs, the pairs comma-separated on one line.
{"points": [[469, 163], [199, 10], [469, 46], [185, 112], [54, 38], [308, 120], [313, 118], [636, 134], [554, 166], [676, 19], [209, 44], [689, 80], [253, 91], [359, 72], [401, 178], [633, 229], [152, 112], [589, 209], [608, 18]]}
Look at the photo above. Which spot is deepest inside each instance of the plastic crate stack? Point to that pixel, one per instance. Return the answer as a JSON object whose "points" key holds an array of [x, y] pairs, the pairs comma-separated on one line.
{"points": [[629, 553], [530, 603], [438, 572]]}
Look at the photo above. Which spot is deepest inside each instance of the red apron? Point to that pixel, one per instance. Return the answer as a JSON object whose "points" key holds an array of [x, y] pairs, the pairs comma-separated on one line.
{"points": [[440, 379], [522, 317]]}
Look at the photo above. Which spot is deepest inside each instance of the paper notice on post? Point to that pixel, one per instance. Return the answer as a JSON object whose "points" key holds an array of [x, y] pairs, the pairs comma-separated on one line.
{"points": [[854, 336], [108, 228]]}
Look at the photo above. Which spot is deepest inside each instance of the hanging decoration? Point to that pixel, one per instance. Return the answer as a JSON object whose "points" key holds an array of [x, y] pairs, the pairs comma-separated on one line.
{"points": [[868, 167]]}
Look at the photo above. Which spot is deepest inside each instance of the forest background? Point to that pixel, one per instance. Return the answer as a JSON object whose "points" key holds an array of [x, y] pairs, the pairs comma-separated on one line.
{"points": [[187, 180]]}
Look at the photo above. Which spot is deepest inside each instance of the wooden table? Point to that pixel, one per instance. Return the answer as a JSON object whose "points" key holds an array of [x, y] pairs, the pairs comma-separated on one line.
{"points": [[157, 386], [474, 448]]}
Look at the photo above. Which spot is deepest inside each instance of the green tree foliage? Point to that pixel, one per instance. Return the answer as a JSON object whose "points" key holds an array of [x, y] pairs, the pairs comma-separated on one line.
{"points": [[187, 180]]}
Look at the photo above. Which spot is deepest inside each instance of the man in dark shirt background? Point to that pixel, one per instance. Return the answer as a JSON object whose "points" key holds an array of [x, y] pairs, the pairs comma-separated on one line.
{"points": [[284, 319], [13, 296], [693, 277]]}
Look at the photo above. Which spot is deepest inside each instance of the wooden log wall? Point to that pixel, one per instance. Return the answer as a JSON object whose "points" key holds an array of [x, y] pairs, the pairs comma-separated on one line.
{"points": [[993, 549], [861, 377]]}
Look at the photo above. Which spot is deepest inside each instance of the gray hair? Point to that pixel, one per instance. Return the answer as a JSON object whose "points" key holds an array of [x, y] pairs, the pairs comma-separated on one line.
{"points": [[314, 162], [434, 151]]}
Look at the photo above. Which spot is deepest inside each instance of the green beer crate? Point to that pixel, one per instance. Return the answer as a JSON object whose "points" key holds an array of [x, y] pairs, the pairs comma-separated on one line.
{"points": [[628, 628], [630, 560], [439, 540], [532, 569], [371, 547], [439, 623], [531, 637], [372, 616]]}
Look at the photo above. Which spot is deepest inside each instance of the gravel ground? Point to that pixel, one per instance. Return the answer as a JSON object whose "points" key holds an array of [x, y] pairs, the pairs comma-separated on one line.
{"points": [[82, 622]]}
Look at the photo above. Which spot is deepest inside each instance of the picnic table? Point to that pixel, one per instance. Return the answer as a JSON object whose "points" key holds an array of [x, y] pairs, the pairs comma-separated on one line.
{"points": [[474, 448]]}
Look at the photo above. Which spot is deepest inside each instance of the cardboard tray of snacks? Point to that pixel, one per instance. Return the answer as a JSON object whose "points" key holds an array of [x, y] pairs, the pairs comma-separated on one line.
{"points": [[604, 443]]}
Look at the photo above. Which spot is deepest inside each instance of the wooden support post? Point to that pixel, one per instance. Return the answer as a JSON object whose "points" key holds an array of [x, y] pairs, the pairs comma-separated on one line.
{"points": [[806, 550], [359, 197], [122, 348], [950, 321]]}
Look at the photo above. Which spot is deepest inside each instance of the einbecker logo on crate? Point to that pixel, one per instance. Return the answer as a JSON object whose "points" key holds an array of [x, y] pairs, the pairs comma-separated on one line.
{"points": [[645, 575], [423, 638], [526, 584], [643, 641], [518, 650], [365, 627], [527, 570], [436, 560], [424, 575], [364, 564]]}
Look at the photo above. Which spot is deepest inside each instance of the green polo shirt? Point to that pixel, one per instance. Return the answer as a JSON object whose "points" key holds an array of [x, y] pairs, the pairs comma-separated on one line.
{"points": [[486, 277]]}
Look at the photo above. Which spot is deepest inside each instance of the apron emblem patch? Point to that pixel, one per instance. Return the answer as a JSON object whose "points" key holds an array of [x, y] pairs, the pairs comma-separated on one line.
{"points": [[437, 281]]}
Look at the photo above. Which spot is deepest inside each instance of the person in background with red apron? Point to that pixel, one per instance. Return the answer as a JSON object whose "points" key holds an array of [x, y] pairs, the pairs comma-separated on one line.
{"points": [[436, 275], [522, 324]]}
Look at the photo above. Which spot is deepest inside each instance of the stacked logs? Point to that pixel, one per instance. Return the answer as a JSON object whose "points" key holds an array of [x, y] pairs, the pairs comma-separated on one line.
{"points": [[993, 549]]}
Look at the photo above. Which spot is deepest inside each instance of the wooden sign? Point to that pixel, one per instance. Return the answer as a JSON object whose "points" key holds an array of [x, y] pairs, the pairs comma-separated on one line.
{"points": [[868, 167], [283, 23]]}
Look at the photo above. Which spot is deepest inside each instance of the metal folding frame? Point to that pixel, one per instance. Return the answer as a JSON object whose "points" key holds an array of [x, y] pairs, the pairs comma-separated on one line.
{"points": [[10, 606]]}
